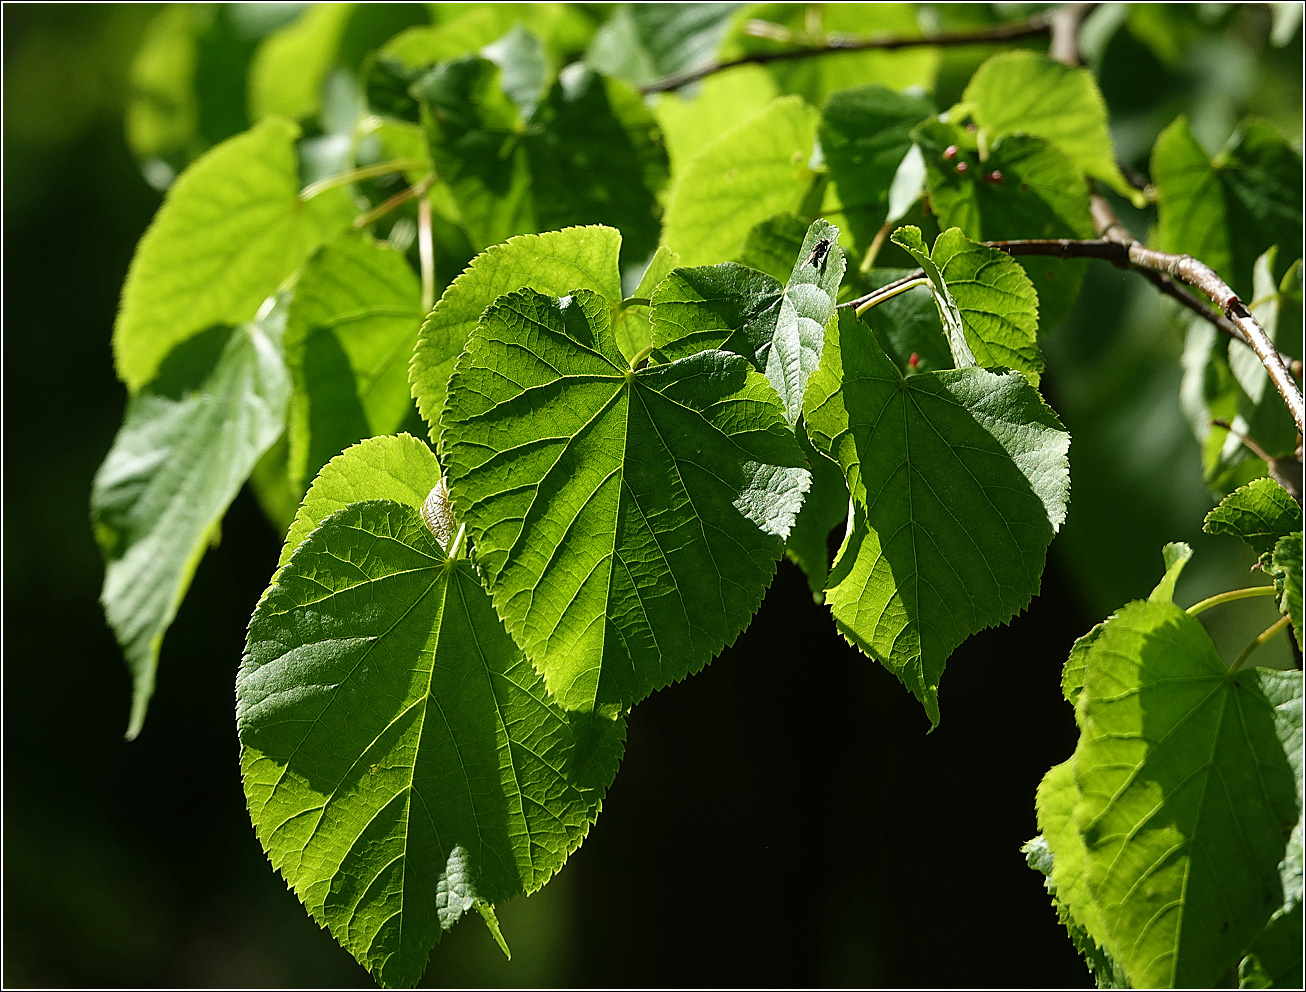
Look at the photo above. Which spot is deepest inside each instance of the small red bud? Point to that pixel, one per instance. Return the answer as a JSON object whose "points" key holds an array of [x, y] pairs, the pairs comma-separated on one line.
{"points": [[914, 360], [961, 167], [950, 153], [996, 177], [971, 128]]}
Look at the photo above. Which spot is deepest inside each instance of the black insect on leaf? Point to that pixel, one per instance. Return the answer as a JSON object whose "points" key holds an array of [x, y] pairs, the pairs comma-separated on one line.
{"points": [[819, 251]]}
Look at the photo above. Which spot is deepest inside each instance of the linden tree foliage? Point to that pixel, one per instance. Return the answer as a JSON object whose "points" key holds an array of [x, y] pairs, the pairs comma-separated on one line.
{"points": [[558, 326]]}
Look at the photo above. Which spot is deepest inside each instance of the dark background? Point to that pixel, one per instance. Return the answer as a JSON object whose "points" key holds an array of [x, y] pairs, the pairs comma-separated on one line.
{"points": [[782, 818]]}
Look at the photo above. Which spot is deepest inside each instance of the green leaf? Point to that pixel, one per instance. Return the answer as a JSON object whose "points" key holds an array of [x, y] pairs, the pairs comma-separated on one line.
{"points": [[988, 307], [349, 335], [693, 118], [643, 42], [1275, 959], [627, 522], [751, 172], [1260, 513], [563, 28], [291, 66], [402, 469], [1024, 188], [958, 480], [553, 263], [1055, 804], [401, 759], [1028, 93], [598, 159], [188, 441], [1176, 556], [475, 134], [1229, 210], [589, 153], [865, 135], [772, 245], [522, 66], [777, 328], [824, 508], [231, 229], [631, 324], [1286, 567], [1176, 756]]}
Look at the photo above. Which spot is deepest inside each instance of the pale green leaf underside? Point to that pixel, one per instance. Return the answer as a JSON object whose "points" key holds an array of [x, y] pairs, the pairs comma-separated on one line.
{"points": [[749, 173], [627, 523], [401, 759], [777, 328], [959, 480], [188, 442], [553, 263], [350, 333], [231, 229], [1176, 757], [400, 468]]}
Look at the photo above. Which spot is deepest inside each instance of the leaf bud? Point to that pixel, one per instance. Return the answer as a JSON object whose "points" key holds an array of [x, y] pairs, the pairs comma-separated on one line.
{"points": [[437, 512]]}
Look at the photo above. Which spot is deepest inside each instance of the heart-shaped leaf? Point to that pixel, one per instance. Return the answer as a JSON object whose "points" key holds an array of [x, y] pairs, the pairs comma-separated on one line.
{"points": [[958, 479], [627, 522]]}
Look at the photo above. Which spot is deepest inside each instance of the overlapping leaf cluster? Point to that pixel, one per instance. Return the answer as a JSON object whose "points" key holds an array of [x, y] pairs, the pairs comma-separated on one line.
{"points": [[615, 317]]}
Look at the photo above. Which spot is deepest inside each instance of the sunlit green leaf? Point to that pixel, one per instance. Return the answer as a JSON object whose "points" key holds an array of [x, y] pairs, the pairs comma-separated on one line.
{"points": [[627, 522], [349, 336], [1028, 93], [553, 263], [1176, 756], [188, 442], [751, 172], [231, 229], [1056, 799], [777, 328], [691, 119], [399, 468], [958, 481], [401, 759]]}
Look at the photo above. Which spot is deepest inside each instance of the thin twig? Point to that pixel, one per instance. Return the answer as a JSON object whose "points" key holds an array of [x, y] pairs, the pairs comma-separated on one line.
{"points": [[1251, 592], [1063, 30], [426, 252], [418, 188], [1037, 26], [1261, 638], [354, 175], [1165, 268], [1192, 272], [889, 289]]}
